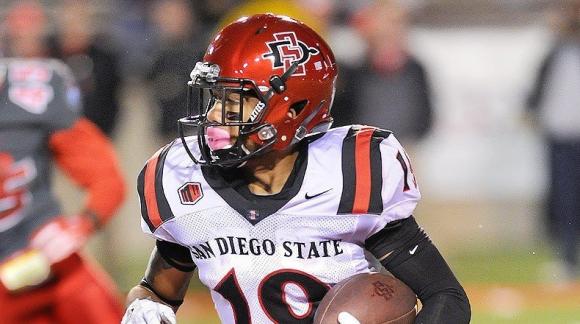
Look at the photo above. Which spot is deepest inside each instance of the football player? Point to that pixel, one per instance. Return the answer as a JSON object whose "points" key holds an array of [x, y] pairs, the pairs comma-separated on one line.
{"points": [[43, 276], [269, 204]]}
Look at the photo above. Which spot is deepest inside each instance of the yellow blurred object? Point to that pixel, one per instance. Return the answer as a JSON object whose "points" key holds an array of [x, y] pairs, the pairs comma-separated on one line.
{"points": [[27, 269], [279, 7]]}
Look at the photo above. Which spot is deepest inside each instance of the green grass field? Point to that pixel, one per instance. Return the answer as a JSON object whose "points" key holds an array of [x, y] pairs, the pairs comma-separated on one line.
{"points": [[515, 287], [493, 267]]}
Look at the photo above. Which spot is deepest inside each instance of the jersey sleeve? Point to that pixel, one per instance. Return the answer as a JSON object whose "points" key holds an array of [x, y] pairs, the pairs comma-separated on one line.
{"points": [[378, 180], [155, 209], [399, 191]]}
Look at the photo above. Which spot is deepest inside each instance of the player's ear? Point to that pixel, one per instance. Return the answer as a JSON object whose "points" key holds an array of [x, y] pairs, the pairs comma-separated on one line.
{"points": [[292, 113], [296, 109]]}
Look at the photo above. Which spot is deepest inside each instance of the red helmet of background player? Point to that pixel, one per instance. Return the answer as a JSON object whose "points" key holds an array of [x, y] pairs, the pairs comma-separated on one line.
{"points": [[276, 59]]}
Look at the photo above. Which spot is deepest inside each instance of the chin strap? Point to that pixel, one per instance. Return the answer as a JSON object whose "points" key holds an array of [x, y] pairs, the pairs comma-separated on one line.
{"points": [[302, 130]]}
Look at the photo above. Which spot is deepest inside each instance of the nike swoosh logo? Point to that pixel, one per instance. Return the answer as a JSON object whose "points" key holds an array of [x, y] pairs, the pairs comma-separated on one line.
{"points": [[413, 250], [307, 196]]}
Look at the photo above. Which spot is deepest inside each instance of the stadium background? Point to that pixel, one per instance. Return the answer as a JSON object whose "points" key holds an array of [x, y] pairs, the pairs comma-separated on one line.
{"points": [[482, 168]]}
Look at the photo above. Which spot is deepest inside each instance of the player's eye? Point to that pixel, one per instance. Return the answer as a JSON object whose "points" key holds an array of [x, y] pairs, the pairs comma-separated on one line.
{"points": [[233, 99]]}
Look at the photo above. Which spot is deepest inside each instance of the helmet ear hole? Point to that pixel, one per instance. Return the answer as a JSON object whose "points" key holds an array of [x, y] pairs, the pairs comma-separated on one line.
{"points": [[298, 106]]}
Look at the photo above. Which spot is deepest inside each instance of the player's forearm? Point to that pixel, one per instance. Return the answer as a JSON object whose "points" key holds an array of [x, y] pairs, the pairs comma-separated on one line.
{"points": [[449, 306], [408, 253], [427, 273], [140, 292], [144, 306], [167, 283]]}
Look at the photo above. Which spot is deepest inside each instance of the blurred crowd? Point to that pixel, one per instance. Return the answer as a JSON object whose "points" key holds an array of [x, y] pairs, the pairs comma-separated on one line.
{"points": [[108, 44]]}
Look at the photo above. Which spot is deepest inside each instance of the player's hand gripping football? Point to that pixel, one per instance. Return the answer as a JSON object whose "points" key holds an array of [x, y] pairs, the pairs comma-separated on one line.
{"points": [[146, 311], [62, 237], [347, 318]]}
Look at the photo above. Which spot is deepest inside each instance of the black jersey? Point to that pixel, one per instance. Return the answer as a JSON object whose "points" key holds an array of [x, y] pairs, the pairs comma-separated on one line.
{"points": [[37, 98]]}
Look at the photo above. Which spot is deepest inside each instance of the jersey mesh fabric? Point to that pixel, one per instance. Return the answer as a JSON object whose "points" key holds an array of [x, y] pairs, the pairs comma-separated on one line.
{"points": [[250, 270]]}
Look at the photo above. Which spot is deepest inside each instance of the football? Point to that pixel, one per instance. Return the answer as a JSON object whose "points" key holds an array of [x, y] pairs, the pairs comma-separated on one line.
{"points": [[372, 298]]}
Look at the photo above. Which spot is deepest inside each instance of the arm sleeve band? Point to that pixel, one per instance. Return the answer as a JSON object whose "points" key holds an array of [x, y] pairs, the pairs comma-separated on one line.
{"points": [[173, 303], [176, 255], [406, 251]]}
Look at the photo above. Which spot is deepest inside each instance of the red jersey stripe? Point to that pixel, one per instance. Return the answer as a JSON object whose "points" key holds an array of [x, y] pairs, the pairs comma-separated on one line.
{"points": [[150, 193], [362, 193]]}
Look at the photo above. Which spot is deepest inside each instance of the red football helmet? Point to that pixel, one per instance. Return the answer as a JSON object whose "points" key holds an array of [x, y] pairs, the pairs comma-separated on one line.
{"points": [[276, 59]]}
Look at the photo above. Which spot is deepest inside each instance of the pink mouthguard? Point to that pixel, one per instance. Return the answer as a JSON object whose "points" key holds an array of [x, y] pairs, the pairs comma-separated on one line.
{"points": [[218, 138]]}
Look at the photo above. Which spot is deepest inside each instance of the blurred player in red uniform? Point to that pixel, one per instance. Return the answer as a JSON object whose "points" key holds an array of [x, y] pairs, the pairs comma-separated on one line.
{"points": [[43, 276], [269, 204]]}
